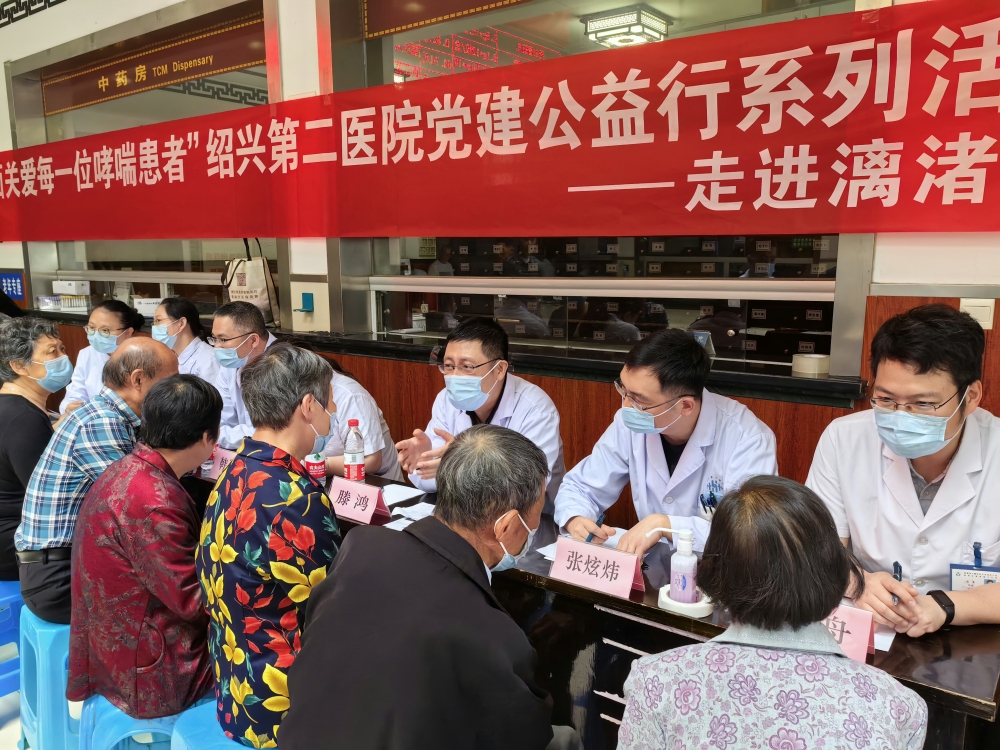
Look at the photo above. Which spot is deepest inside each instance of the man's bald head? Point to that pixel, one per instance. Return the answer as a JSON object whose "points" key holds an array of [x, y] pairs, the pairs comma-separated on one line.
{"points": [[136, 366]]}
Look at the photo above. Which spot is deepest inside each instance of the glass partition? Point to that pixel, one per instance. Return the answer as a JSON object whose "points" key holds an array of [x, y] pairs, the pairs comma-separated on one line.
{"points": [[653, 257], [741, 335]]}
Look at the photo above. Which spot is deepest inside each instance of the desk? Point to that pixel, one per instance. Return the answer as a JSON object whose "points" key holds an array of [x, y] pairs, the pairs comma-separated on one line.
{"points": [[586, 643]]}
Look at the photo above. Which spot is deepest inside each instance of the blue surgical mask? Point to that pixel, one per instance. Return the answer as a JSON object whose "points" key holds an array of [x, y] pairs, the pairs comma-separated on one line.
{"points": [[465, 392], [914, 435], [319, 443], [230, 358], [160, 334], [103, 343], [508, 560], [643, 422], [58, 373]]}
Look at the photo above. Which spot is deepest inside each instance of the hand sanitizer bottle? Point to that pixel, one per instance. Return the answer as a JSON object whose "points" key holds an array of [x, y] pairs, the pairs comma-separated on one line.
{"points": [[683, 568]]}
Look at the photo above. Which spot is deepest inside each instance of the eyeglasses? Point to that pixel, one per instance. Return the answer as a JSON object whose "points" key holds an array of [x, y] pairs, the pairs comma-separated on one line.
{"points": [[103, 331], [623, 392], [916, 407], [216, 340], [163, 321], [464, 369]]}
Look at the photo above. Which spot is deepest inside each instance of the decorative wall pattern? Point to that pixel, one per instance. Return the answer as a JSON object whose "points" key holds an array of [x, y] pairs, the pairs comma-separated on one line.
{"points": [[214, 89], [17, 10]]}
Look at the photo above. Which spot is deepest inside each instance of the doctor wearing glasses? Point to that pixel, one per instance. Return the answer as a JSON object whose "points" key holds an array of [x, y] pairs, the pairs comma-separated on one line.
{"points": [[912, 483], [479, 390], [681, 448]]}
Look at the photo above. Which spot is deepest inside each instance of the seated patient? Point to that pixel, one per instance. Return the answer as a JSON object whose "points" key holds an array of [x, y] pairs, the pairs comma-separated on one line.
{"points": [[405, 645], [139, 628], [776, 678]]}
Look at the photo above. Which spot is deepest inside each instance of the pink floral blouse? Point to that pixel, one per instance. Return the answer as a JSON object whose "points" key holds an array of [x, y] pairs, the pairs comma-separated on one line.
{"points": [[780, 690]]}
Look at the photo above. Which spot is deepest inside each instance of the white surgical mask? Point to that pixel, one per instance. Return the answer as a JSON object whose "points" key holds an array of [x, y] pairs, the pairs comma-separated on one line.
{"points": [[508, 560]]}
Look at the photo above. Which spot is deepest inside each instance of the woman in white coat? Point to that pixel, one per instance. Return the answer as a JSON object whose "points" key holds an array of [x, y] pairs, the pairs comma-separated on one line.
{"points": [[111, 323], [178, 325]]}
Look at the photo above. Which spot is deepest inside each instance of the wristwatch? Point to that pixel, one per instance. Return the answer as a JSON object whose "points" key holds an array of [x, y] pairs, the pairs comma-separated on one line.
{"points": [[945, 602]]}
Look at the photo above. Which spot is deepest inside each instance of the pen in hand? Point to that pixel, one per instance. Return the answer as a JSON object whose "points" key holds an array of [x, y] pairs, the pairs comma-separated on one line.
{"points": [[600, 521], [897, 573]]}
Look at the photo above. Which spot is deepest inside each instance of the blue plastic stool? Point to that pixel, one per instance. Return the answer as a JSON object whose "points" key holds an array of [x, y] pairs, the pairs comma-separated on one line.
{"points": [[198, 729], [103, 726], [10, 630], [44, 652]]}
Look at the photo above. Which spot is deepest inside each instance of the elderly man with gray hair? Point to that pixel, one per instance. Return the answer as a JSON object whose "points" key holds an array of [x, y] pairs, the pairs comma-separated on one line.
{"points": [[86, 443], [406, 647]]}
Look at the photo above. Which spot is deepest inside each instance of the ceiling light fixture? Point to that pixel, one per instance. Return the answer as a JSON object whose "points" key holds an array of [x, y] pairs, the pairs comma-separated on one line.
{"points": [[626, 27]]}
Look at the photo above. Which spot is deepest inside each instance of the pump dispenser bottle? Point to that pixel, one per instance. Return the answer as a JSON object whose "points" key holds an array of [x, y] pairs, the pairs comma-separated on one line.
{"points": [[683, 569]]}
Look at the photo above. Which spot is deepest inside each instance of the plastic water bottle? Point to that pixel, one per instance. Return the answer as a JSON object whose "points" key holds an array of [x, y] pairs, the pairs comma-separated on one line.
{"points": [[354, 453], [316, 466]]}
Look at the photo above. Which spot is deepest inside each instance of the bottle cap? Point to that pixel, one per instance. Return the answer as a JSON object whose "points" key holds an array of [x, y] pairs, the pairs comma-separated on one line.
{"points": [[352, 423]]}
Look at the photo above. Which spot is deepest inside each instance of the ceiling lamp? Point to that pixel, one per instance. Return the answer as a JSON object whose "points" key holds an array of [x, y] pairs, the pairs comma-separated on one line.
{"points": [[626, 27]]}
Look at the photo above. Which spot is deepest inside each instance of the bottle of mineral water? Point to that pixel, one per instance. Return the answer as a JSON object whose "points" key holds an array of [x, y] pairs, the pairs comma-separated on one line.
{"points": [[354, 453]]}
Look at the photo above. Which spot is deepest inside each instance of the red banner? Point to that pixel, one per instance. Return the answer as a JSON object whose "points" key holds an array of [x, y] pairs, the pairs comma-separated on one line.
{"points": [[862, 122]]}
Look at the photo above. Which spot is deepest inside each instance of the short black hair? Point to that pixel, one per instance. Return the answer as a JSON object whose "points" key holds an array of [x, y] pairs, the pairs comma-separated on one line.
{"points": [[773, 556], [679, 362], [182, 307], [178, 411], [933, 337], [129, 316], [486, 331], [245, 316]]}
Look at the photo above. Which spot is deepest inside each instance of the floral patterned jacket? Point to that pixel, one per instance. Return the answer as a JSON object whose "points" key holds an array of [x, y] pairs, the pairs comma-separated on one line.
{"points": [[139, 626], [268, 537], [782, 690]]}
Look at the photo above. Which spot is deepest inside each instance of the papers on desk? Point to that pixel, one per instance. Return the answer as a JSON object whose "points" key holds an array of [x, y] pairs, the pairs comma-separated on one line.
{"points": [[397, 493], [399, 524], [416, 512], [549, 551], [884, 636]]}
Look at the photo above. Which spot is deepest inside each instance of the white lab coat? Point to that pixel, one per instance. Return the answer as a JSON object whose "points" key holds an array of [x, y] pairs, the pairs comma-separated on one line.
{"points": [[236, 423], [870, 494], [524, 408], [354, 402], [198, 358], [729, 445], [87, 377]]}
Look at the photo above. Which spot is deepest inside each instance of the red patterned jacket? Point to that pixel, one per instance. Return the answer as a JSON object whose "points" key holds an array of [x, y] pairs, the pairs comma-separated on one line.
{"points": [[139, 628]]}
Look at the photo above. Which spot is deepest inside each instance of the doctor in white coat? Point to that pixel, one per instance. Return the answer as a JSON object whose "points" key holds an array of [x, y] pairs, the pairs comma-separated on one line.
{"points": [[672, 440], [111, 324], [178, 325], [480, 390], [916, 479], [239, 337]]}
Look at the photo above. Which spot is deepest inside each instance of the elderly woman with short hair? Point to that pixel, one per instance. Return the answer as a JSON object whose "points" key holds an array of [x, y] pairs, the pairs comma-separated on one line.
{"points": [[776, 678], [268, 536], [33, 364]]}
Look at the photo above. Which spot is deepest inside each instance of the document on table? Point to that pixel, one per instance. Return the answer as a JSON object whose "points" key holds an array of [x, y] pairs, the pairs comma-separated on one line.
{"points": [[416, 512], [884, 636], [399, 524], [549, 551], [397, 493]]}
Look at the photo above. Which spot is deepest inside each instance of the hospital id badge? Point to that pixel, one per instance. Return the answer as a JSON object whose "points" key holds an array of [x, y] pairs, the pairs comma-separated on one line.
{"points": [[965, 577]]}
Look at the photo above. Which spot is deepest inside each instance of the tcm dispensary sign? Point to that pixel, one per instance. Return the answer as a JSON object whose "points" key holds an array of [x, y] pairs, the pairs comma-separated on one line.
{"points": [[871, 121]]}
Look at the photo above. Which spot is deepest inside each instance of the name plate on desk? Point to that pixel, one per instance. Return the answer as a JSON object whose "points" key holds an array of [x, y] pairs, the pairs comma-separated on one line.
{"points": [[356, 501], [599, 568], [221, 458], [854, 631]]}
